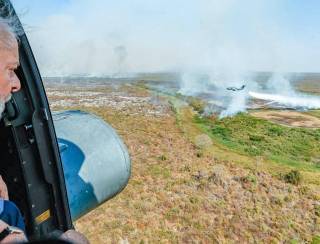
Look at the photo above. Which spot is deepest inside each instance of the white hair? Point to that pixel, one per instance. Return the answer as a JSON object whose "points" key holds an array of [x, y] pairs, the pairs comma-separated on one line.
{"points": [[2, 108], [3, 105], [8, 36]]}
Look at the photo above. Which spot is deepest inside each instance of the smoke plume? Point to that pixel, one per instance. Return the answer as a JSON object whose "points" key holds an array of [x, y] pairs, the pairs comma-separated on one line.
{"points": [[211, 36], [213, 44]]}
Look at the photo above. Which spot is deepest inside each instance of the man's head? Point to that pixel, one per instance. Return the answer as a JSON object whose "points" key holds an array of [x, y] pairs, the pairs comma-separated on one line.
{"points": [[9, 61]]}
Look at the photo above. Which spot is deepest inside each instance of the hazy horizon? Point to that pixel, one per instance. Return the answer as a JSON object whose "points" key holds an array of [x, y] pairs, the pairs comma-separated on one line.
{"points": [[99, 38]]}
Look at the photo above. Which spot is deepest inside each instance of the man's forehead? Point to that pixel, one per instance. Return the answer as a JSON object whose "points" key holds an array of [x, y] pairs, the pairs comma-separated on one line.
{"points": [[13, 46], [10, 57], [15, 50]]}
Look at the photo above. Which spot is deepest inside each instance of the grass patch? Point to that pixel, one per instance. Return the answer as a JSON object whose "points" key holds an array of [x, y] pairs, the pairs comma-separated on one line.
{"points": [[197, 104], [248, 135], [293, 177], [159, 171], [315, 113], [316, 240]]}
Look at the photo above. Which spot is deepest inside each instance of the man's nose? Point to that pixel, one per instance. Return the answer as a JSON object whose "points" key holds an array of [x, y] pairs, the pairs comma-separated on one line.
{"points": [[15, 84]]}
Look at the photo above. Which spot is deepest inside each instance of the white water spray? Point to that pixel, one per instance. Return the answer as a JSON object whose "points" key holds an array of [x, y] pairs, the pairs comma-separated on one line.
{"points": [[278, 84], [280, 92], [295, 102]]}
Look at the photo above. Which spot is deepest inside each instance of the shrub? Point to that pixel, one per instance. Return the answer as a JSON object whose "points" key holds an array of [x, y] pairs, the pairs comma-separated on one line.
{"points": [[293, 177], [163, 157], [317, 210], [317, 135], [256, 138], [197, 104], [248, 179], [275, 131], [253, 150], [221, 131], [199, 154]]}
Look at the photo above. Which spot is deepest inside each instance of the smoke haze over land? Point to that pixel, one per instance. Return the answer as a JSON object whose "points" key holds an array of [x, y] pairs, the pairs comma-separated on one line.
{"points": [[221, 40], [102, 37]]}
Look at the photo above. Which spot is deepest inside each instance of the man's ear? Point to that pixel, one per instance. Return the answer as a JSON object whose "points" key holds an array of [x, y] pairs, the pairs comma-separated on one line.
{"points": [[3, 189]]}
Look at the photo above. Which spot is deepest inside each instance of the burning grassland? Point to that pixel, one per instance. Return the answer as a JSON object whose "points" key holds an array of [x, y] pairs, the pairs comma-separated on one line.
{"points": [[190, 183]]}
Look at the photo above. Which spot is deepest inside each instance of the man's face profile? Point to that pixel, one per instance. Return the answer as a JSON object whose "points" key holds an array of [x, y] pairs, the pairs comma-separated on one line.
{"points": [[9, 82]]}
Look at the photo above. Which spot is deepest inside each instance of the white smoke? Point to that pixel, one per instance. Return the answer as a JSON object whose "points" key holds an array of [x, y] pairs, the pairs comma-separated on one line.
{"points": [[189, 36], [224, 39], [277, 91], [121, 53], [295, 102], [281, 92], [192, 84], [280, 85], [237, 104], [218, 85]]}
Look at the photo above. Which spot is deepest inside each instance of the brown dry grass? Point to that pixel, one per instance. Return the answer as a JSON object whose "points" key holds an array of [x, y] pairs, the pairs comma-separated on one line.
{"points": [[181, 193], [289, 118]]}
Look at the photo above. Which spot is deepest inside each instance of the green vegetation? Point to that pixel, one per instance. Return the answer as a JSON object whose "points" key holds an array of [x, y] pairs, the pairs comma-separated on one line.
{"points": [[317, 211], [163, 157], [292, 177], [197, 104], [316, 240], [158, 171], [248, 135], [315, 113]]}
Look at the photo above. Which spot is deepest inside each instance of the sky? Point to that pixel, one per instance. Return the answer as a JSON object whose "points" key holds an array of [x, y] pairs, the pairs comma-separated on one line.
{"points": [[98, 37]]}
